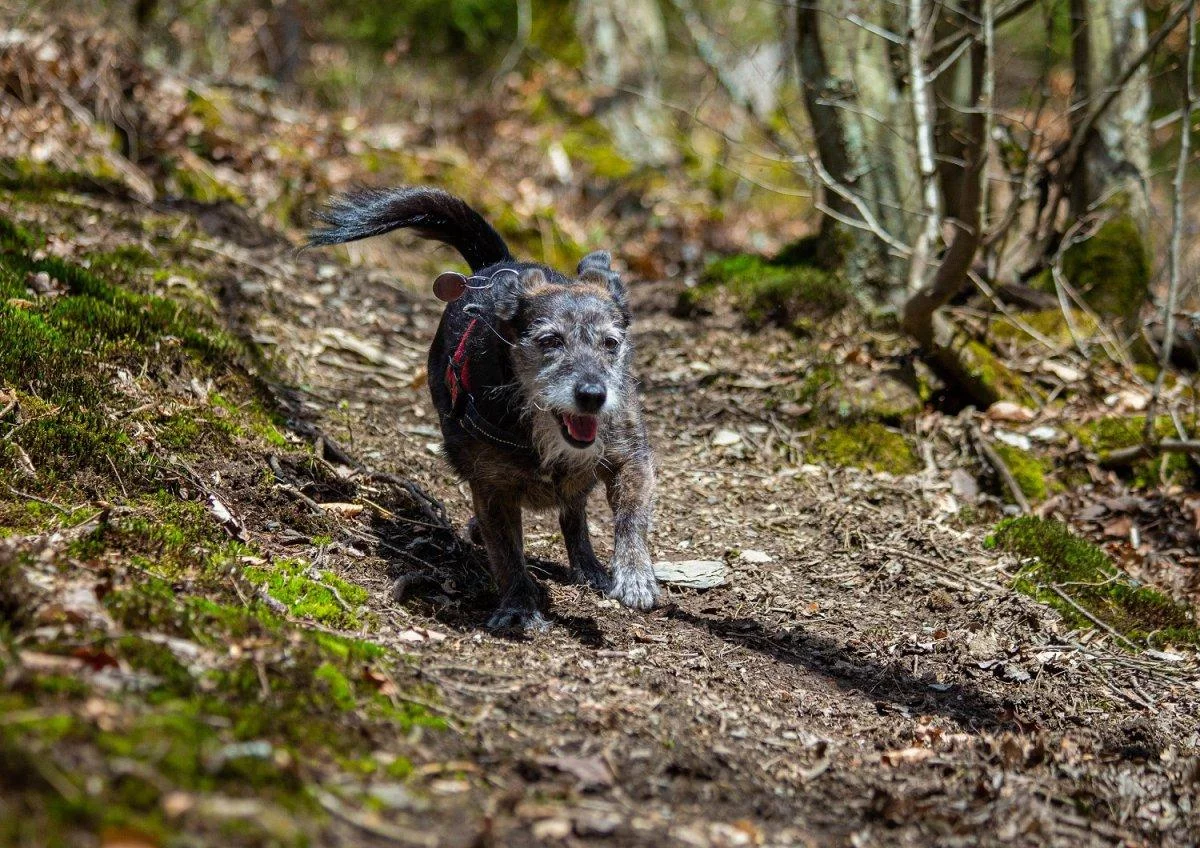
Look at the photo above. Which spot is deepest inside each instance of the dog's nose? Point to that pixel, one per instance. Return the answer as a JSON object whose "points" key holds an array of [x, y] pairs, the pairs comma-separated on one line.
{"points": [[589, 397]]}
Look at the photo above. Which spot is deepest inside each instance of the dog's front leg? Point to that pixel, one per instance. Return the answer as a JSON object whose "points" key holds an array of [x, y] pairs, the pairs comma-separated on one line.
{"points": [[631, 496], [585, 566], [499, 520]]}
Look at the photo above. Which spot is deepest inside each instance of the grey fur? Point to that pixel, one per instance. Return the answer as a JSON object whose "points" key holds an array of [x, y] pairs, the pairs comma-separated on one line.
{"points": [[556, 355]]}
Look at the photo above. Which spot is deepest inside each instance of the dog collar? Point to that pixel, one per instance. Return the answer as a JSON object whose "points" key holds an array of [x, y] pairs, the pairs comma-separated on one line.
{"points": [[462, 402]]}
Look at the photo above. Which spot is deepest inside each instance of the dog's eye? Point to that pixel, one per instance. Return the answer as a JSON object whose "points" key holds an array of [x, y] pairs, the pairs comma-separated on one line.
{"points": [[550, 341], [612, 344]]}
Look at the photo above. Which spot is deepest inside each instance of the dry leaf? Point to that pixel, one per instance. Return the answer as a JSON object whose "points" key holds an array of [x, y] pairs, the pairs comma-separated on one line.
{"points": [[905, 756], [344, 509], [1005, 410], [591, 772]]}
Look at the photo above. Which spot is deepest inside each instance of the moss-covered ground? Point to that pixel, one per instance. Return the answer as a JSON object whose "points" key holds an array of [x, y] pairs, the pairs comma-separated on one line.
{"points": [[790, 289], [162, 678], [1058, 563]]}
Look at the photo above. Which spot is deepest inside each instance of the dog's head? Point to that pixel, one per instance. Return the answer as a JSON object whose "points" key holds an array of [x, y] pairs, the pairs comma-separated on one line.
{"points": [[571, 353]]}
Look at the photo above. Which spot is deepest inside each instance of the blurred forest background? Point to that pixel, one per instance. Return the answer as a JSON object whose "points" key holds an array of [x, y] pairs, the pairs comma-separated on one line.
{"points": [[937, 258]]}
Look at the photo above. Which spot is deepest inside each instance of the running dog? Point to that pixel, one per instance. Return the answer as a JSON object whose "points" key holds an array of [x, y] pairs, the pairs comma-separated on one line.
{"points": [[530, 372]]}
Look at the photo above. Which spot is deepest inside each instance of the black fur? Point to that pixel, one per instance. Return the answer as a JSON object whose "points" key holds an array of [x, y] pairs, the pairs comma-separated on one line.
{"points": [[429, 212], [524, 389]]}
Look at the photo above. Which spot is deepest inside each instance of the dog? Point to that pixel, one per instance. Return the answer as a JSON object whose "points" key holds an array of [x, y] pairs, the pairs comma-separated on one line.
{"points": [[530, 372]]}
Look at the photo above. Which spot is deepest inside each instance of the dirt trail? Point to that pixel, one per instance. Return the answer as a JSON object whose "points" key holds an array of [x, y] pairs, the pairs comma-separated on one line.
{"points": [[866, 678]]}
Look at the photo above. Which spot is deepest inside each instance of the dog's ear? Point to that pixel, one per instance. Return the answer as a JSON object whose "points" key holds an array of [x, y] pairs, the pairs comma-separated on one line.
{"points": [[509, 286], [600, 259], [596, 267]]}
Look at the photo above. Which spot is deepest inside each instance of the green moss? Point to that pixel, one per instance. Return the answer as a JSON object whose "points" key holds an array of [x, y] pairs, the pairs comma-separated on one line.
{"points": [[50, 349], [1111, 269], [1082, 571], [1049, 323], [336, 684], [219, 693], [592, 146], [1029, 471], [288, 582], [1114, 432], [193, 178], [864, 444], [777, 291], [992, 378], [36, 180]]}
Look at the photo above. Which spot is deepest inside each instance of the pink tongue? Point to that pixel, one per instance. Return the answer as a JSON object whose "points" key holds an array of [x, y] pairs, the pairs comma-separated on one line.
{"points": [[581, 427]]}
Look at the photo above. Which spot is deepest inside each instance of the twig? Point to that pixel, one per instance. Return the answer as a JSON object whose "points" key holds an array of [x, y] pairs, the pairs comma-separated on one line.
{"points": [[1117, 690], [1001, 468], [1127, 456], [1075, 606], [1185, 143], [1071, 158], [18, 493], [520, 43], [869, 222], [273, 604], [319, 578], [939, 566], [951, 42], [390, 832], [113, 466]]}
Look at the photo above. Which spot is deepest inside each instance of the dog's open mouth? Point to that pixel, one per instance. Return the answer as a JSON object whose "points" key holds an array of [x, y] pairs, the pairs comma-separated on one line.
{"points": [[579, 430]]}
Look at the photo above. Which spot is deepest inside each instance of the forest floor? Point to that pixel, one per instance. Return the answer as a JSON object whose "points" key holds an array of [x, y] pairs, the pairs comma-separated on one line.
{"points": [[867, 676], [236, 608]]}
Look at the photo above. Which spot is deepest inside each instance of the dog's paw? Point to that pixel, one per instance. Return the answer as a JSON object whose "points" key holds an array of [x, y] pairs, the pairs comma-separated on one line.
{"points": [[517, 620], [636, 589], [594, 575]]}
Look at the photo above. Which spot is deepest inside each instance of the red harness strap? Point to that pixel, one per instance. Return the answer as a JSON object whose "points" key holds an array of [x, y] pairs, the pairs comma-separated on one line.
{"points": [[458, 370]]}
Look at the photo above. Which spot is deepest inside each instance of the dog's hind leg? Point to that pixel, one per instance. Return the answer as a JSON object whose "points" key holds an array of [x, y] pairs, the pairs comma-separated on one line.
{"points": [[499, 520], [631, 496], [585, 566], [474, 534]]}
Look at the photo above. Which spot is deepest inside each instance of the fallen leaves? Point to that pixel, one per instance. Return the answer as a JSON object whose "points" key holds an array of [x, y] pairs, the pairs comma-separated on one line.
{"points": [[591, 773], [906, 756]]}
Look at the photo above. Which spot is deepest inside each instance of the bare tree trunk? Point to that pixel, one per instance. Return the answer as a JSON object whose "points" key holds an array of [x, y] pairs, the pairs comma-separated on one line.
{"points": [[625, 42], [1105, 167], [1108, 34], [965, 363], [862, 123]]}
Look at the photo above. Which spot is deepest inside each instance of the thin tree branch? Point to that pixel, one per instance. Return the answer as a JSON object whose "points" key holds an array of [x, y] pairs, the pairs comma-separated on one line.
{"points": [[1185, 143], [952, 42], [1096, 110], [1001, 468], [869, 221]]}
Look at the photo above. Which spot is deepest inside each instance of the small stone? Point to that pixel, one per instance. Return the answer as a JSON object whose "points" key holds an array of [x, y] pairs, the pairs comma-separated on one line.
{"points": [[1017, 440], [693, 573], [725, 439], [551, 829], [597, 823], [1006, 410], [964, 485], [755, 557]]}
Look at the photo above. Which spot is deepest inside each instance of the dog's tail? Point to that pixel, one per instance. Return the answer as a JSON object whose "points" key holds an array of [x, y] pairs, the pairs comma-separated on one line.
{"points": [[429, 212]]}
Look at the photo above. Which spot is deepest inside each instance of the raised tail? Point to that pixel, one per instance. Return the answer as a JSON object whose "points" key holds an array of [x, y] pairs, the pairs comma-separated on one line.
{"points": [[429, 212]]}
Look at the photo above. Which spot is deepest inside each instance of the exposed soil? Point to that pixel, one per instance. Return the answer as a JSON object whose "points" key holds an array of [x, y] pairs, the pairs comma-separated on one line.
{"points": [[867, 677]]}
